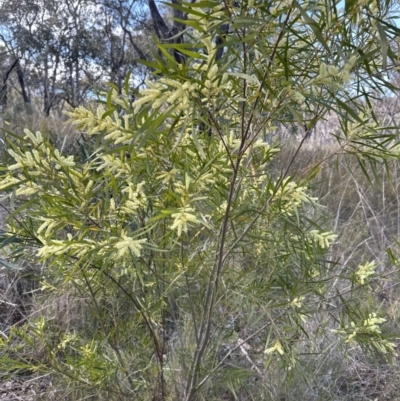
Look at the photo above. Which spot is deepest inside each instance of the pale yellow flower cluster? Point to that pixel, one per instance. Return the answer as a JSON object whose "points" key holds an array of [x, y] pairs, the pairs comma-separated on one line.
{"points": [[8, 181], [168, 176], [167, 91], [117, 129], [182, 218], [293, 194], [277, 347], [371, 326], [364, 271], [183, 189], [323, 238], [298, 97], [212, 86], [204, 180], [115, 166], [136, 198], [53, 247], [39, 325], [40, 156], [38, 162], [87, 350], [27, 189], [334, 77], [48, 225], [297, 302], [67, 338], [127, 245]]}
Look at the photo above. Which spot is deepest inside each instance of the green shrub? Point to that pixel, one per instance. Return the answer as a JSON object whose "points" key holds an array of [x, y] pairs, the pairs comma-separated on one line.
{"points": [[198, 266]]}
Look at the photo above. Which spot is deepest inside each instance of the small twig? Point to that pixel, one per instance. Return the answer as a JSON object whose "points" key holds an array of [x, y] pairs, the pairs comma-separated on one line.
{"points": [[243, 347]]}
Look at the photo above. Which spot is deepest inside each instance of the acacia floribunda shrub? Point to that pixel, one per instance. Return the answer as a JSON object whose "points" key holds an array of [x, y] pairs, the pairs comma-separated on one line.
{"points": [[190, 248]]}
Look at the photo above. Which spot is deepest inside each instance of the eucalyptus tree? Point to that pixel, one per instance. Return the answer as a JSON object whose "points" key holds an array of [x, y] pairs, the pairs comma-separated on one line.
{"points": [[205, 271], [68, 49], [50, 40]]}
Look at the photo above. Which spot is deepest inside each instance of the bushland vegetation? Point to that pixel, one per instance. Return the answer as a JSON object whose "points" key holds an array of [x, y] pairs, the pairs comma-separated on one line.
{"points": [[227, 231]]}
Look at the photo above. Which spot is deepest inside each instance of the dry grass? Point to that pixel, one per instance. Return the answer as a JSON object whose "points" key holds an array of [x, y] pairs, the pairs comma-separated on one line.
{"points": [[56, 126]]}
